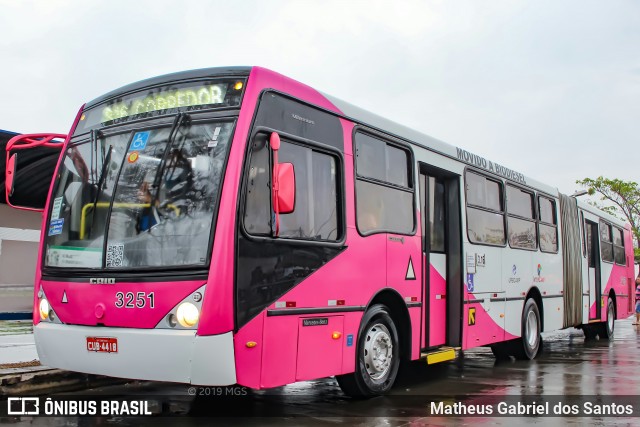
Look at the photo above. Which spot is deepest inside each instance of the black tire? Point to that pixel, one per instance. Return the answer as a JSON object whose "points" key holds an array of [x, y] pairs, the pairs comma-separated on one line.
{"points": [[590, 333], [502, 351], [531, 341], [607, 328], [369, 380]]}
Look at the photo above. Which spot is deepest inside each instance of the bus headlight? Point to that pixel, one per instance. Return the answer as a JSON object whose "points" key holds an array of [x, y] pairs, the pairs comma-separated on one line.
{"points": [[44, 309], [187, 314]]}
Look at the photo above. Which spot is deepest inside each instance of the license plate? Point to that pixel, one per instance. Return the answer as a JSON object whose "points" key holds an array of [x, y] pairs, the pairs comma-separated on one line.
{"points": [[102, 344]]}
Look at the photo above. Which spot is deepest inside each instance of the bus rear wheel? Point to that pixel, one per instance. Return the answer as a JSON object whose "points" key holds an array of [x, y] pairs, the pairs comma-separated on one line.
{"points": [[531, 341], [590, 333], [377, 356], [607, 327]]}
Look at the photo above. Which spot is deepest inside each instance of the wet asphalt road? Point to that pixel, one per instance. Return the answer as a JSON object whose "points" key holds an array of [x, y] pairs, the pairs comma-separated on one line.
{"points": [[569, 367]]}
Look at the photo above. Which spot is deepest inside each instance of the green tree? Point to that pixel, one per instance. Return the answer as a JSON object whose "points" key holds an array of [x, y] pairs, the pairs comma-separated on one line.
{"points": [[623, 198]]}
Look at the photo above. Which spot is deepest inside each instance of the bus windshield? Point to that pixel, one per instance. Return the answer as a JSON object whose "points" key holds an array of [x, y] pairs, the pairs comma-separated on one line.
{"points": [[142, 198]]}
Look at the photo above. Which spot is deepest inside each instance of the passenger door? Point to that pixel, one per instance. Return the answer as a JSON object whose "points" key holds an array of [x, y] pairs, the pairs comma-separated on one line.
{"points": [[440, 225], [434, 258], [593, 266]]}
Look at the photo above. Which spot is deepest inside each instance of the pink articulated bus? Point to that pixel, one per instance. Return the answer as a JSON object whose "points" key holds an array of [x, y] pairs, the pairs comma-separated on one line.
{"points": [[233, 226]]}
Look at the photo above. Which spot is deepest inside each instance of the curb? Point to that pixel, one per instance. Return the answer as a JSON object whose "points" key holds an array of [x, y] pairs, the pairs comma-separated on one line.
{"points": [[39, 380]]}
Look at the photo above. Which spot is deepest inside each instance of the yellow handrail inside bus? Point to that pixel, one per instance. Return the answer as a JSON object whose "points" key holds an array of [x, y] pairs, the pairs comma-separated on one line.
{"points": [[86, 207]]}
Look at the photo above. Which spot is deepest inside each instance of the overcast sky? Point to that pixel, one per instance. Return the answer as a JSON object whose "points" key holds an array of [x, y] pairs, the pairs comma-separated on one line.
{"points": [[549, 88]]}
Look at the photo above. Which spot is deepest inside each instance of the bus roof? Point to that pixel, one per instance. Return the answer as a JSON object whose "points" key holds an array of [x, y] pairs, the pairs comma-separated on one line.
{"points": [[425, 141], [369, 119], [602, 214]]}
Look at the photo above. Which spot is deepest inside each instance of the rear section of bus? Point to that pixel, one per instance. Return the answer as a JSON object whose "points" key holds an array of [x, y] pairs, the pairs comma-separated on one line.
{"points": [[135, 276]]}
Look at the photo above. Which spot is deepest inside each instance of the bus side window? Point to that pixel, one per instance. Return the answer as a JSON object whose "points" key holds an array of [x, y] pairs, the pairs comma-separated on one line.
{"points": [[548, 226], [521, 218], [315, 214], [384, 187], [618, 247], [606, 242], [316, 211], [485, 210]]}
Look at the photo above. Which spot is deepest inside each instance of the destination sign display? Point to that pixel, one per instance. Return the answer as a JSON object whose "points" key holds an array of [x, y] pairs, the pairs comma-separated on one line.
{"points": [[164, 100], [199, 95]]}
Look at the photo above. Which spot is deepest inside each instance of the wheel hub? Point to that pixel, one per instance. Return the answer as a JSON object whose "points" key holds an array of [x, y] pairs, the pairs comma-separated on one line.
{"points": [[610, 317], [378, 351], [532, 329]]}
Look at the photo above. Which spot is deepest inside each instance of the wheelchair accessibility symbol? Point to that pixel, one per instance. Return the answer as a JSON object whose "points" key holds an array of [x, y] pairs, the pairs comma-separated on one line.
{"points": [[470, 284], [139, 141]]}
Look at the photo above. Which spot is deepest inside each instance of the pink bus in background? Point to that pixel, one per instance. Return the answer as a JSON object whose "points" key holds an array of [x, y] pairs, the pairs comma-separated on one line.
{"points": [[233, 226]]}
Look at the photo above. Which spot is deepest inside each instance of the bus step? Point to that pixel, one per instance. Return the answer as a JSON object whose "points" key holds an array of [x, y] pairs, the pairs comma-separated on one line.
{"points": [[440, 355]]}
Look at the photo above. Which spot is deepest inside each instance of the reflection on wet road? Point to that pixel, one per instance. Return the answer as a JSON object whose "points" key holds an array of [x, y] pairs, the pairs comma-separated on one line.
{"points": [[569, 366]]}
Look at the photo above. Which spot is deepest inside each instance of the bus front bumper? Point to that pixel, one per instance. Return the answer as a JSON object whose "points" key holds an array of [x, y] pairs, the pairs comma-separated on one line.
{"points": [[145, 354]]}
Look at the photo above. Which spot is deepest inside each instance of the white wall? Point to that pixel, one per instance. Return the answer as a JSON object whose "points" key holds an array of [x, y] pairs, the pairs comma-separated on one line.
{"points": [[19, 237]]}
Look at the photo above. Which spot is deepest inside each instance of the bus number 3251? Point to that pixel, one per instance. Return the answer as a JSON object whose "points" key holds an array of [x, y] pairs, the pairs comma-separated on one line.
{"points": [[128, 300]]}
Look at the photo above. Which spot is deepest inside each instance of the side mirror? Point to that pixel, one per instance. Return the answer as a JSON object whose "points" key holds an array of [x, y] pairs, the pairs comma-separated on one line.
{"points": [[283, 196], [28, 176], [286, 198], [274, 141]]}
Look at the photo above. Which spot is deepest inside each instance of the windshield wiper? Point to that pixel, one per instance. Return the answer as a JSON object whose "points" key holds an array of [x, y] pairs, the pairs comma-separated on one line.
{"points": [[181, 119], [101, 180]]}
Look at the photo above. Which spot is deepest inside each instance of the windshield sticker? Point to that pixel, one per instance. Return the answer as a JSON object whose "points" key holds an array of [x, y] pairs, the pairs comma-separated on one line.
{"points": [[71, 256], [139, 142], [55, 226], [57, 206], [214, 139], [133, 157], [115, 255]]}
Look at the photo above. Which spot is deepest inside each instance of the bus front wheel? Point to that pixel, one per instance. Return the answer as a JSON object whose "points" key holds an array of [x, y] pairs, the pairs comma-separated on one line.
{"points": [[377, 356]]}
